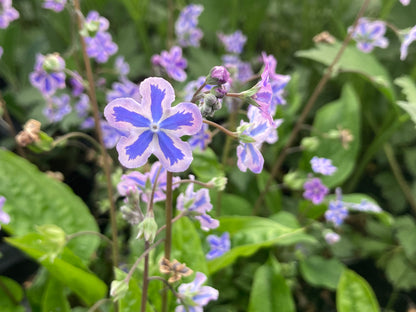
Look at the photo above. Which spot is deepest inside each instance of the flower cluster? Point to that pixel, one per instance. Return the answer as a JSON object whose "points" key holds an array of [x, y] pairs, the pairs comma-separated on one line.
{"points": [[195, 296], [7, 13], [54, 5], [369, 35], [172, 63], [234, 42], [337, 211], [154, 127], [197, 204], [98, 40], [187, 32]]}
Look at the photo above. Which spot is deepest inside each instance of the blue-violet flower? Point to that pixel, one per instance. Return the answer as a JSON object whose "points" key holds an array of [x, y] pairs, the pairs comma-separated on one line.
{"points": [[219, 245], [172, 62], [322, 165], [7, 13], [315, 191], [369, 35]]}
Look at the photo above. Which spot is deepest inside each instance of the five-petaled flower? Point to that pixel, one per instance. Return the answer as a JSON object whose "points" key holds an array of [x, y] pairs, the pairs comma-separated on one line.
{"points": [[154, 127], [7, 13], [315, 191], [369, 35], [172, 62], [219, 245]]}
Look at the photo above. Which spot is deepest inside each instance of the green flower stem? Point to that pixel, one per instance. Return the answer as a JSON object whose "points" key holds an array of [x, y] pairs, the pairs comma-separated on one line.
{"points": [[182, 214], [193, 100], [106, 162], [71, 135], [221, 128], [168, 236], [9, 294], [145, 285], [307, 108], [207, 185], [103, 237]]}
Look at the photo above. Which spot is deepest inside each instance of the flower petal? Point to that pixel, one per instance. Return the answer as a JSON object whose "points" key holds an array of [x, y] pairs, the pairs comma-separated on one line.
{"points": [[134, 150], [184, 119], [122, 113]]}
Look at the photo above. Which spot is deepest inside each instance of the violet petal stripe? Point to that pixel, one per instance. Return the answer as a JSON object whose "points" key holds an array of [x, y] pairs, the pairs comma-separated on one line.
{"points": [[168, 148], [151, 90], [122, 113], [185, 119], [135, 149], [140, 145], [174, 154]]}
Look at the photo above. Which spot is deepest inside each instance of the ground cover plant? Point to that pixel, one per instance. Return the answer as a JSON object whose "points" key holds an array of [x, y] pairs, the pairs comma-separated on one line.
{"points": [[207, 155]]}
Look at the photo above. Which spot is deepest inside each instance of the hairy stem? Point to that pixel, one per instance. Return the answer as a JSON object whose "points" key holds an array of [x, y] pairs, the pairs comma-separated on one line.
{"points": [[221, 128], [145, 280], [309, 105], [168, 236], [96, 113], [77, 234], [77, 135]]}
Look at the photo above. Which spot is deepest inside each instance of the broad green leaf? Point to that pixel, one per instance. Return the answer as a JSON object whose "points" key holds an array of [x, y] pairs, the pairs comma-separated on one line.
{"points": [[355, 294], [399, 271], [322, 272], [353, 61], [406, 234], [345, 113], [269, 292], [131, 302], [206, 165], [273, 197], [409, 89], [35, 199], [8, 290], [187, 247], [249, 234], [85, 284], [232, 204], [54, 298]]}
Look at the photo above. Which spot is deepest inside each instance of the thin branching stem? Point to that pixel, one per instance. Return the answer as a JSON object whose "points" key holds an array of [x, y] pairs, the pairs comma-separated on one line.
{"points": [[221, 128]]}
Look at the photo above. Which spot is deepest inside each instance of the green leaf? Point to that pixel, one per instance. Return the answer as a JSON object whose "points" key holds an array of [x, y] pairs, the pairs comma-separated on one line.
{"points": [[187, 247], [10, 289], [406, 235], [35, 199], [355, 294], [399, 271], [409, 89], [249, 234], [85, 284], [344, 113], [206, 165], [353, 61], [269, 292], [54, 298], [322, 272], [232, 204], [273, 197]]}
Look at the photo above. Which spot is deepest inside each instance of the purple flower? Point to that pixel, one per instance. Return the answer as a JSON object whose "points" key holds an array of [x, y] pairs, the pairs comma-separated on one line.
{"points": [[408, 39], [364, 206], [54, 5], [172, 62], [4, 217], [57, 108], [82, 106], [336, 212], [101, 46], [405, 2], [143, 183], [195, 295], [101, 22], [369, 35], [88, 123], [201, 139], [7, 13], [219, 245], [254, 114], [197, 204], [234, 42], [332, 237], [110, 135], [76, 83], [315, 191], [154, 127], [218, 76], [121, 66], [185, 27], [48, 75], [263, 96], [242, 70], [123, 89], [322, 165]]}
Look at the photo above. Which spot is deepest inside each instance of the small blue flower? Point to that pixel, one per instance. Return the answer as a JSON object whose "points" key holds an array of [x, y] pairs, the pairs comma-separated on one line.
{"points": [[172, 62], [408, 39], [185, 27], [82, 106], [322, 165], [315, 191], [54, 5], [101, 46], [201, 139], [332, 237], [57, 108], [123, 89], [234, 42], [7, 13], [219, 245], [369, 35], [154, 127]]}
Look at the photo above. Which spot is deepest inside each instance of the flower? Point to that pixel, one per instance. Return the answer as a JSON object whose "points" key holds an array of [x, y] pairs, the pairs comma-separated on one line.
{"points": [[123, 89], [234, 42], [185, 27], [197, 204], [332, 237], [7, 13], [82, 106], [242, 70], [122, 67], [154, 127], [76, 83], [408, 39], [100, 47], [322, 165], [4, 217], [369, 35], [94, 19], [48, 75], [336, 212], [201, 139], [54, 5], [364, 206], [219, 245], [218, 75], [110, 134], [405, 2], [195, 295], [172, 62], [263, 95], [57, 108], [315, 190]]}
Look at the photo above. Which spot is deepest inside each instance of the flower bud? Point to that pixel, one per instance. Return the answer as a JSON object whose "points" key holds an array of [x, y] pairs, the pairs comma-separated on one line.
{"points": [[219, 92], [53, 63], [219, 183], [210, 105], [310, 143], [218, 76], [293, 180], [148, 228], [90, 29]]}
